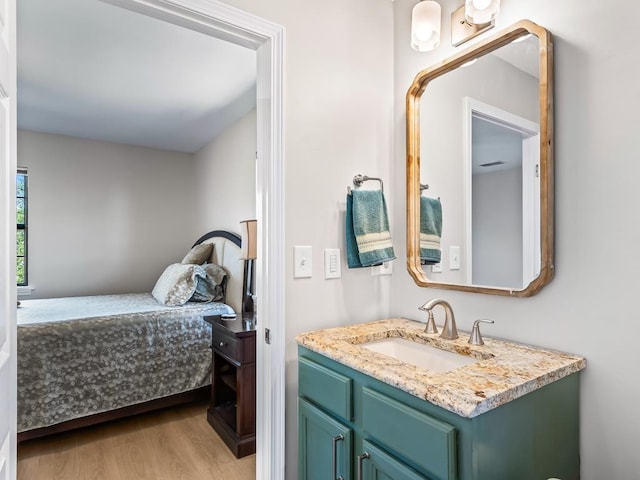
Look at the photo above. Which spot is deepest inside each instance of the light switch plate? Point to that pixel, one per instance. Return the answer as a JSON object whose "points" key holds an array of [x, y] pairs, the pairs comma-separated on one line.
{"points": [[332, 263], [454, 257], [302, 263]]}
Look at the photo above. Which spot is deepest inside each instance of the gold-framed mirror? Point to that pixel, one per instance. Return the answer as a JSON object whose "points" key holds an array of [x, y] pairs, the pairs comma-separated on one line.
{"points": [[480, 167]]}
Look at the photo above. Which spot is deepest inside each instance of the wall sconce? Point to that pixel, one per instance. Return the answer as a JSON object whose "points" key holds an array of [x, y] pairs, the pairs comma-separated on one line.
{"points": [[248, 252], [472, 19], [425, 26]]}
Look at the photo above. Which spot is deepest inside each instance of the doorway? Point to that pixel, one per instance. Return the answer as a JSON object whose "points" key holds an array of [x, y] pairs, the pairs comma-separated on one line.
{"points": [[231, 24], [501, 188]]}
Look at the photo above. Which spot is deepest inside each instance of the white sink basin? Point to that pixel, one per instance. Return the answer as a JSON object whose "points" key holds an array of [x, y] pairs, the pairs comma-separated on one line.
{"points": [[418, 354]]}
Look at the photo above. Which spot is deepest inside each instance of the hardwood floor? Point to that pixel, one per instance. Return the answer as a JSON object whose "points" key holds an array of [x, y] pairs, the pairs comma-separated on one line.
{"points": [[172, 444]]}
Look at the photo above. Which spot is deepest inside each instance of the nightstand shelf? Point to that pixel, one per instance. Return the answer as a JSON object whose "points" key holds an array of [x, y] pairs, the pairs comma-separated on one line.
{"points": [[229, 380], [232, 412]]}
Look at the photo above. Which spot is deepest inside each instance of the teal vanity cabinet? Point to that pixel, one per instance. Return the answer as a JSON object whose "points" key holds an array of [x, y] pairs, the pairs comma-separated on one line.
{"points": [[325, 434], [355, 427]]}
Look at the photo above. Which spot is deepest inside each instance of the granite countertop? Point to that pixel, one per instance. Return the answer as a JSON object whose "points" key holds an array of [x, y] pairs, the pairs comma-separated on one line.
{"points": [[506, 370]]}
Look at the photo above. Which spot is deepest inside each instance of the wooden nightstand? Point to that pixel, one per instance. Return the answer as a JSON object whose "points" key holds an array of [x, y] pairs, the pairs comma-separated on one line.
{"points": [[232, 412]]}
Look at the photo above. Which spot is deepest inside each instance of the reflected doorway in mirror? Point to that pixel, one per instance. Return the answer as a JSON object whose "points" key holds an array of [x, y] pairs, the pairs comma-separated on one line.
{"points": [[501, 197]]}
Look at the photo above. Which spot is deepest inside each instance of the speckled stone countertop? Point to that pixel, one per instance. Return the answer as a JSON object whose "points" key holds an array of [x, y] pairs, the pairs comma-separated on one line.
{"points": [[506, 370]]}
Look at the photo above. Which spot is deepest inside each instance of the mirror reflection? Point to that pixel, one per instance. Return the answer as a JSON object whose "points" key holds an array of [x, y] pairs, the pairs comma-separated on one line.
{"points": [[478, 129]]}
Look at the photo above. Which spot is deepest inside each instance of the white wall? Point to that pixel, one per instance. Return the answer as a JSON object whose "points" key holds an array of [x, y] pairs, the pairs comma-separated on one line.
{"points": [[338, 114], [225, 173], [104, 217], [590, 307]]}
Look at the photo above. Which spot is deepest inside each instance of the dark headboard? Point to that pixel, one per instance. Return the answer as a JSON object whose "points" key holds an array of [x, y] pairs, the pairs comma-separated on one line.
{"points": [[234, 237], [226, 253]]}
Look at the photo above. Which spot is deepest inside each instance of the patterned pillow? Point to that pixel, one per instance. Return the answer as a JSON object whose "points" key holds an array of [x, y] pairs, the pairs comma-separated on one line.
{"points": [[211, 287], [177, 283], [199, 254]]}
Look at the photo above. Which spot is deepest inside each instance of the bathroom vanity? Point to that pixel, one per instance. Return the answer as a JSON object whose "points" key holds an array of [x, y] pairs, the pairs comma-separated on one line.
{"points": [[510, 413]]}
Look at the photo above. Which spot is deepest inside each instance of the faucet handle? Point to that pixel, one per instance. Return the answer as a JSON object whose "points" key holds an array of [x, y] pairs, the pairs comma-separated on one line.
{"points": [[431, 323], [476, 337]]}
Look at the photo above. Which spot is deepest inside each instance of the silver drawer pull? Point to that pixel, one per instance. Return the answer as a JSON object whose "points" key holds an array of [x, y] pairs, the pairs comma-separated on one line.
{"points": [[360, 460], [334, 444], [222, 344]]}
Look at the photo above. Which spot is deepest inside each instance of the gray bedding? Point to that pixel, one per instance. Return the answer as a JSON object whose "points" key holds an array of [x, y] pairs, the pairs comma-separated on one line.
{"points": [[85, 355]]}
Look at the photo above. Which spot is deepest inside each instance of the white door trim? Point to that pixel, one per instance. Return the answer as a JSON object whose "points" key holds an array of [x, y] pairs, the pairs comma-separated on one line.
{"points": [[223, 21], [530, 209], [8, 290]]}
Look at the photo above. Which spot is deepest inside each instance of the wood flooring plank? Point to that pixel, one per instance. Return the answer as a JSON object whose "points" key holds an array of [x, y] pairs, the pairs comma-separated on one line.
{"points": [[172, 444]]}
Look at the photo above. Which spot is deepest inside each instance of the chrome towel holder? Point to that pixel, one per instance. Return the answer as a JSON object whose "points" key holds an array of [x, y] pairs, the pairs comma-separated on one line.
{"points": [[359, 179]]}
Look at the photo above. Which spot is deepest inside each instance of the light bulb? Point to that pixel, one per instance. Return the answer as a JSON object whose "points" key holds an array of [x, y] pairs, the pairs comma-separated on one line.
{"points": [[481, 4], [423, 32]]}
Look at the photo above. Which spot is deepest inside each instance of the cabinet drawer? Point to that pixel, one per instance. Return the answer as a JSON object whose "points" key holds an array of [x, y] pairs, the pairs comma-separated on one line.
{"points": [[325, 388], [226, 344], [428, 443]]}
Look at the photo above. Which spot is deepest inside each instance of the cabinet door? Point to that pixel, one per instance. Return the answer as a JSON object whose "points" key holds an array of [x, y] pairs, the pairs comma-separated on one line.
{"points": [[318, 436], [381, 466], [417, 438]]}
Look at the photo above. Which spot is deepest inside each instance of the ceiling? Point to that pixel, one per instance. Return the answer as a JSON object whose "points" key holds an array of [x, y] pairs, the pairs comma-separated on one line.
{"points": [[93, 70], [494, 144], [524, 54]]}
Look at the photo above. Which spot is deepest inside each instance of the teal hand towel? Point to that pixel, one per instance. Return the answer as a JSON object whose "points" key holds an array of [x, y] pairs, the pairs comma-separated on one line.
{"points": [[430, 230], [353, 257], [371, 228]]}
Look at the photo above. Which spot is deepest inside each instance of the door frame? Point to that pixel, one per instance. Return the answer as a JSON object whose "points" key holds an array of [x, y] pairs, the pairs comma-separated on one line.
{"points": [[531, 208], [8, 287]]}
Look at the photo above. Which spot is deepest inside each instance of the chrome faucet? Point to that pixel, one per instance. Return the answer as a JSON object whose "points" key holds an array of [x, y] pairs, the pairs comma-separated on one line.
{"points": [[449, 330]]}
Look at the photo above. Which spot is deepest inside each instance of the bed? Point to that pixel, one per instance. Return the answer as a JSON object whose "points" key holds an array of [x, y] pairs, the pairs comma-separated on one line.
{"points": [[86, 360]]}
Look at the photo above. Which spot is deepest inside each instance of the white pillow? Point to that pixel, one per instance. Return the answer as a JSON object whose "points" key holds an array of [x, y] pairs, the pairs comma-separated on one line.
{"points": [[177, 284]]}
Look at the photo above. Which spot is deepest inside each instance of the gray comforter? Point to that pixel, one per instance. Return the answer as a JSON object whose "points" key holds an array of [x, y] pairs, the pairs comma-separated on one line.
{"points": [[84, 355]]}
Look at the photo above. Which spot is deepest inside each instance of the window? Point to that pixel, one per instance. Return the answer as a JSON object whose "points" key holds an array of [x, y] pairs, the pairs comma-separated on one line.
{"points": [[21, 234]]}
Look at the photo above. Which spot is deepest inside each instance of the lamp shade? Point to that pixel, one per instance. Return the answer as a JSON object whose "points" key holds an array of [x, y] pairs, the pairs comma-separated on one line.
{"points": [[425, 26], [249, 245], [481, 11]]}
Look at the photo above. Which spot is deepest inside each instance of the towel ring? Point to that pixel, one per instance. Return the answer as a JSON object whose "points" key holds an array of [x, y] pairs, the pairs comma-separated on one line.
{"points": [[359, 179]]}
